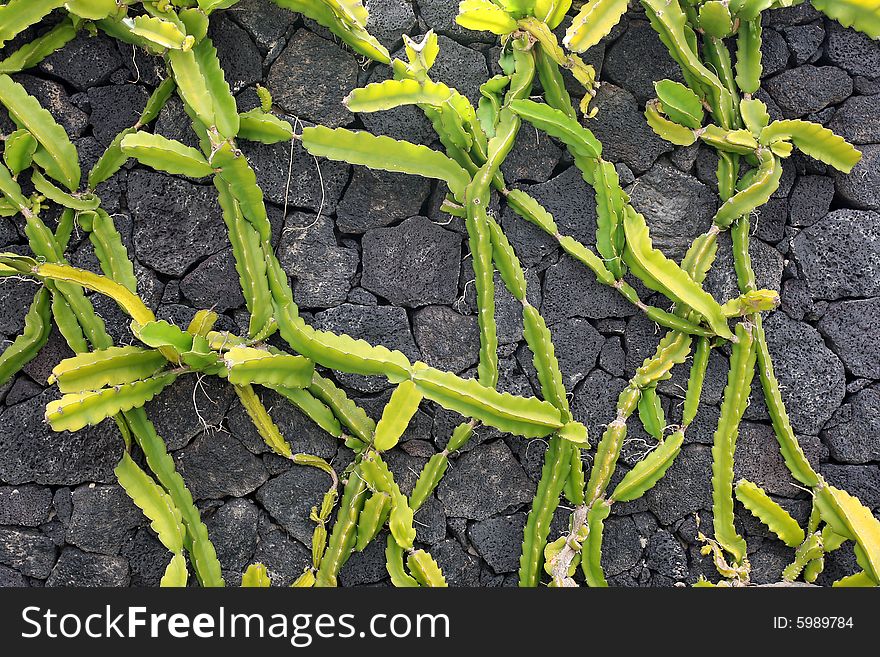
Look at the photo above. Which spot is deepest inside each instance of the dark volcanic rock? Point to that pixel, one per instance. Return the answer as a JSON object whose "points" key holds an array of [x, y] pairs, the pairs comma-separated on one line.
{"points": [[440, 15], [774, 52], [302, 434], [266, 23], [413, 264], [665, 555], [289, 497], [25, 506], [16, 297], [10, 578], [810, 200], [641, 44], [677, 206], [31, 451], [853, 51], [302, 182], [84, 62], [447, 340], [848, 326], [759, 460], [322, 270], [407, 122], [367, 567], [804, 41], [811, 377], [176, 223], [459, 567], [430, 522], [147, 558], [389, 19], [858, 120], [577, 348], [533, 159], [377, 198], [54, 352], [620, 126], [383, 325], [233, 531], [595, 400], [311, 77], [78, 568], [483, 482], [686, 488], [115, 108], [54, 98], [840, 255], [217, 465], [861, 187], [498, 541], [766, 261], [239, 57], [571, 290], [283, 557], [103, 517], [622, 533], [214, 283], [187, 407], [28, 551], [806, 89], [853, 433], [571, 202], [863, 481]]}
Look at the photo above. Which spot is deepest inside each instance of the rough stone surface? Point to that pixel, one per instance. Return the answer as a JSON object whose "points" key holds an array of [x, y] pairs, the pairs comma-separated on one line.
{"points": [[317, 185], [861, 188], [321, 269], [620, 126], [852, 433], [811, 377], [214, 283], [362, 258], [384, 325], [497, 540], [852, 51], [28, 551], [856, 120], [375, 199], [413, 264], [847, 327], [78, 568], [483, 482], [84, 62], [840, 255], [806, 89], [571, 290], [389, 19], [685, 489], [31, 452], [115, 108], [447, 340], [311, 77], [810, 200], [289, 497], [176, 223], [216, 465], [102, 518], [233, 531], [676, 206], [641, 44], [26, 506]]}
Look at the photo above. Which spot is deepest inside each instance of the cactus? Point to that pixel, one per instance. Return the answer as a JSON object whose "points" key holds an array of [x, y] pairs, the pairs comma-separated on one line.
{"points": [[714, 106]]}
